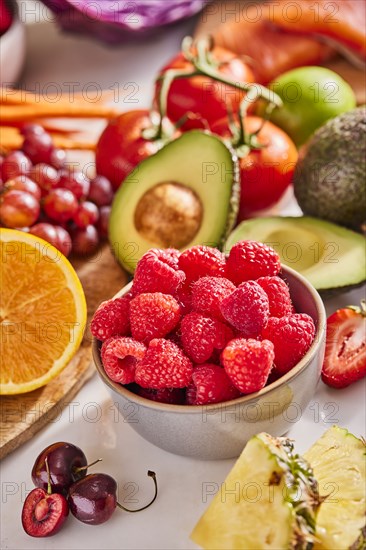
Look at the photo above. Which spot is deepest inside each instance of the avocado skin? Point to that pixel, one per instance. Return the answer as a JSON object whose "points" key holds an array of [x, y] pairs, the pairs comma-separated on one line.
{"points": [[329, 182]]}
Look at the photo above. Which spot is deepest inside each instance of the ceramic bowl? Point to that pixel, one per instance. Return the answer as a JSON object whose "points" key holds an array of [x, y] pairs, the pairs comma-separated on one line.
{"points": [[221, 430]]}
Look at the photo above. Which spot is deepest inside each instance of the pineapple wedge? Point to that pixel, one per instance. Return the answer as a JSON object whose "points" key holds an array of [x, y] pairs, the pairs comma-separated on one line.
{"points": [[338, 459], [268, 501]]}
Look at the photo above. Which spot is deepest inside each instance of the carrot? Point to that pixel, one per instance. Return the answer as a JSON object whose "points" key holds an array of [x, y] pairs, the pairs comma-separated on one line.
{"points": [[13, 113], [11, 139], [10, 96]]}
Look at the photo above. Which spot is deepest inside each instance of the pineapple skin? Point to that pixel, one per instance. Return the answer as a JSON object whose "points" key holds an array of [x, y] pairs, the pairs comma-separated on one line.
{"points": [[281, 517], [338, 460]]}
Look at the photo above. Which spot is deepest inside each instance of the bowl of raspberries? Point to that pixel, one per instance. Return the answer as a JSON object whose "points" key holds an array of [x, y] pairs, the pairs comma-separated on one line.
{"points": [[211, 348]]}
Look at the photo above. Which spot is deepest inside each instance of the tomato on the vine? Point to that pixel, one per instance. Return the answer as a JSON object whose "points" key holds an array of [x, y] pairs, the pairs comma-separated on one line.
{"points": [[122, 146], [202, 95], [267, 172]]}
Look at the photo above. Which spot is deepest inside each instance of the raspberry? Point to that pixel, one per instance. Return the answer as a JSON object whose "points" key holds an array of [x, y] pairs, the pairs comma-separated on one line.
{"points": [[157, 271], [111, 318], [164, 366], [278, 295], [247, 309], [208, 293], [153, 315], [199, 261], [184, 297], [210, 384], [172, 396], [120, 356], [201, 335], [291, 336], [249, 260], [248, 363]]}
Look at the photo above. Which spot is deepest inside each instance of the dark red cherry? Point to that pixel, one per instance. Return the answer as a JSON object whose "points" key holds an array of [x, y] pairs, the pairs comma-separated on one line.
{"points": [[93, 499], [67, 464]]}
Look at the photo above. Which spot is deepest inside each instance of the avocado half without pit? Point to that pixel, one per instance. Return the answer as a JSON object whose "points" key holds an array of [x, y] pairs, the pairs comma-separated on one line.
{"points": [[185, 194], [331, 257]]}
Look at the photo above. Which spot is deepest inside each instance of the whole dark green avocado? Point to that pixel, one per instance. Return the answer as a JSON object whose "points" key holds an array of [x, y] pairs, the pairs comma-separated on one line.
{"points": [[330, 180]]}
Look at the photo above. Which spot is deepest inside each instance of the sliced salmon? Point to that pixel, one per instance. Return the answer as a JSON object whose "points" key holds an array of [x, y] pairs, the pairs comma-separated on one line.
{"points": [[269, 50], [342, 23]]}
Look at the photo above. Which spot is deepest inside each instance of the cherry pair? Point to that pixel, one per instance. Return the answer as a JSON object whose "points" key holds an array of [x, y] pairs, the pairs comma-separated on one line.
{"points": [[62, 484]]}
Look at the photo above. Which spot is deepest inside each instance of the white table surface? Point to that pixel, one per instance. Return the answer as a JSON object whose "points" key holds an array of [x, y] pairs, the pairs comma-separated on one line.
{"points": [[90, 420]]}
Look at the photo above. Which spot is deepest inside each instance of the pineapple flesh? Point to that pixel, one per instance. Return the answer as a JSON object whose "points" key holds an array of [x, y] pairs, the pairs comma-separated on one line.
{"points": [[338, 460], [268, 501]]}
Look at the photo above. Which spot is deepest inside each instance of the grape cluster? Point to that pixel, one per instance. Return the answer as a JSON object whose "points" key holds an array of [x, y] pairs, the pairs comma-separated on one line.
{"points": [[40, 194]]}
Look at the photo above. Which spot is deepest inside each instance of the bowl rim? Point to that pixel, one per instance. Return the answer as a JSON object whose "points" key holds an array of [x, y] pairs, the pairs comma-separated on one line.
{"points": [[199, 409]]}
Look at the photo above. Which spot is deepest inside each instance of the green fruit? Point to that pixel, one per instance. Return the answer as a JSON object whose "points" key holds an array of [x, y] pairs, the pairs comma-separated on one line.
{"points": [[338, 461], [186, 194], [268, 501], [331, 257], [330, 181], [311, 96]]}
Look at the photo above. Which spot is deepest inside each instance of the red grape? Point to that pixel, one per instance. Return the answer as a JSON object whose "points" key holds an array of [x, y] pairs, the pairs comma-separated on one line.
{"points": [[58, 158], [38, 147], [45, 231], [18, 209], [60, 205], [55, 235], [15, 164], [87, 214], [103, 221], [101, 191], [32, 129], [46, 177], [75, 182], [64, 240], [22, 183], [85, 241]]}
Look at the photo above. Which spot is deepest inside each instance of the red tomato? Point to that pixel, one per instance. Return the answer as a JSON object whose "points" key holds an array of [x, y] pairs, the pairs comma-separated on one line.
{"points": [[265, 173], [121, 146], [203, 95], [345, 351]]}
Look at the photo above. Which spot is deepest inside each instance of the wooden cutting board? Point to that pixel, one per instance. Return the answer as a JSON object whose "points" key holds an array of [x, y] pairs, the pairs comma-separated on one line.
{"points": [[24, 415], [222, 11]]}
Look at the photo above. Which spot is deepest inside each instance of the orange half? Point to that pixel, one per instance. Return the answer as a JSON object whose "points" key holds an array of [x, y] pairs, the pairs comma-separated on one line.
{"points": [[42, 312]]}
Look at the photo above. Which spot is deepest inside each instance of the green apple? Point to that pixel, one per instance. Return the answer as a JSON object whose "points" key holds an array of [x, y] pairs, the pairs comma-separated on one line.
{"points": [[311, 96]]}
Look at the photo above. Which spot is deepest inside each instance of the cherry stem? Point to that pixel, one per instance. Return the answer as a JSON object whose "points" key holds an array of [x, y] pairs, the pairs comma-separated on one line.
{"points": [[49, 490], [81, 468], [150, 474]]}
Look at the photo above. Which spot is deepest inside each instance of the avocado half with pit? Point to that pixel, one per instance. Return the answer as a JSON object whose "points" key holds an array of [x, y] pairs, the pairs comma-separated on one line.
{"points": [[185, 194], [331, 257]]}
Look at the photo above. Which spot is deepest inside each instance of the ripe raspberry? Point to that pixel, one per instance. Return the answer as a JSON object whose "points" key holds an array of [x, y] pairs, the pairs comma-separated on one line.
{"points": [[164, 366], [111, 318], [199, 261], [184, 297], [120, 356], [210, 384], [157, 271], [248, 363], [291, 336], [249, 260], [201, 335], [278, 295], [208, 293], [172, 396], [247, 309], [153, 315]]}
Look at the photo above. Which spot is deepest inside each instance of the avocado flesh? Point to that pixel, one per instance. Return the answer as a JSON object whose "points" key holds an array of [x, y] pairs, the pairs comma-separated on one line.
{"points": [[198, 161], [329, 182], [329, 256]]}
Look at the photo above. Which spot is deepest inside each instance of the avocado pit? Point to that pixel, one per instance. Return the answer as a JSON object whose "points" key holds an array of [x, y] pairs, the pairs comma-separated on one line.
{"points": [[169, 215]]}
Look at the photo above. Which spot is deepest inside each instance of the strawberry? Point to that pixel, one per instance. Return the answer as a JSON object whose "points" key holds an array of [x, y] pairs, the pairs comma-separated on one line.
{"points": [[345, 351]]}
